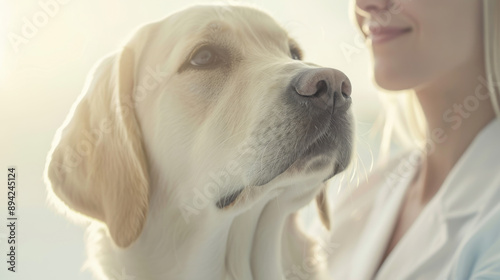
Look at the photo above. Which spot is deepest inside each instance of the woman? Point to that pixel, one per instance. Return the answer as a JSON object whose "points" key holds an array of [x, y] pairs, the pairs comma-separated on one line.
{"points": [[433, 212]]}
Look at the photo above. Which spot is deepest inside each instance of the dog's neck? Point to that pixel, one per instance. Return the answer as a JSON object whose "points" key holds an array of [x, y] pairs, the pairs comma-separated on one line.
{"points": [[245, 247]]}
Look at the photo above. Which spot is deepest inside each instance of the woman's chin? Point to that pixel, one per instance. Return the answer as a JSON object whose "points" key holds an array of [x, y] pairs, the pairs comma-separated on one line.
{"points": [[392, 81]]}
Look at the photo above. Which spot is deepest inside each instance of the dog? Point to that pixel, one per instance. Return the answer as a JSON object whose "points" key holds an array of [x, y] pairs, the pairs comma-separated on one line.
{"points": [[192, 147]]}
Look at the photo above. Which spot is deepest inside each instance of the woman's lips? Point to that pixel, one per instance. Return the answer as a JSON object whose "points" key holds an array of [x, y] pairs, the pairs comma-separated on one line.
{"points": [[384, 34]]}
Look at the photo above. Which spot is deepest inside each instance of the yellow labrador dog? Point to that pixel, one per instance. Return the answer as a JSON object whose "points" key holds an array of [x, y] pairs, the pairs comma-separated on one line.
{"points": [[193, 146]]}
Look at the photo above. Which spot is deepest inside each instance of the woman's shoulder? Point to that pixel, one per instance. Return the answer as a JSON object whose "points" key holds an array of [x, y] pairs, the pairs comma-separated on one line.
{"points": [[479, 257]]}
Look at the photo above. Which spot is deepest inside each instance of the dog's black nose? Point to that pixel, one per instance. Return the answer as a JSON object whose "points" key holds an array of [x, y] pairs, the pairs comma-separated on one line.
{"points": [[325, 88]]}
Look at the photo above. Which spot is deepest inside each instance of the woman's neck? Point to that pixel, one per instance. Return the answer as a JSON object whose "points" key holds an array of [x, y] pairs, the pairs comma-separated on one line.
{"points": [[456, 110]]}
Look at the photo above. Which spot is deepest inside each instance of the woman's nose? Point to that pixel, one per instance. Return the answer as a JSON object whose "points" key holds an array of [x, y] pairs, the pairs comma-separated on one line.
{"points": [[370, 6]]}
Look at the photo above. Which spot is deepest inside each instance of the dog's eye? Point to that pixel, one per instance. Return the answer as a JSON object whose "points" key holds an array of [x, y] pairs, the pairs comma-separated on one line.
{"points": [[295, 53], [204, 57]]}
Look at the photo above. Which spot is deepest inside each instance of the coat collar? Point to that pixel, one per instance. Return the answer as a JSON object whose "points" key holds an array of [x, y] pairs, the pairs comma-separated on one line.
{"points": [[458, 200], [379, 227], [463, 196]]}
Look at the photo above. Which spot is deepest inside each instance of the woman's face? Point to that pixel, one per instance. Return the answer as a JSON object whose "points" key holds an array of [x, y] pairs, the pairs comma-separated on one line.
{"points": [[416, 42]]}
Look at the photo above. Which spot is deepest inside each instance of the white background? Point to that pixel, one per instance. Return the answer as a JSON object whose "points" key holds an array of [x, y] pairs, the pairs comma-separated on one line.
{"points": [[41, 78]]}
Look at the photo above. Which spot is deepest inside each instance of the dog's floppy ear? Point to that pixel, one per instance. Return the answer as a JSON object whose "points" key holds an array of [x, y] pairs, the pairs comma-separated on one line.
{"points": [[323, 209], [97, 165]]}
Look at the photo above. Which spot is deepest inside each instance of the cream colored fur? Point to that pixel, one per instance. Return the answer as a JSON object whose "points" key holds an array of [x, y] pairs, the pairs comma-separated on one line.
{"points": [[142, 147]]}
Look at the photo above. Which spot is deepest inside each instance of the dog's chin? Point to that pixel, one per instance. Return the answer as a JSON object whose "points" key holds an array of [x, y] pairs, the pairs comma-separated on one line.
{"points": [[314, 159], [320, 156], [331, 149], [299, 167]]}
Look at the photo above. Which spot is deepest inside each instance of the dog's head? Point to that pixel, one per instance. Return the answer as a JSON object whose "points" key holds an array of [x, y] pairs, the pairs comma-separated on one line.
{"points": [[213, 101]]}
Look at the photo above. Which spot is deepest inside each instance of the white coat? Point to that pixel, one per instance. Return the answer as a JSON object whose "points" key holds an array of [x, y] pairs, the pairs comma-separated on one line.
{"points": [[456, 236]]}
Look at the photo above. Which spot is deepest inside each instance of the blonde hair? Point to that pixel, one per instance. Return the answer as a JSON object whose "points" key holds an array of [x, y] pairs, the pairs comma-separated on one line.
{"points": [[491, 29], [404, 120]]}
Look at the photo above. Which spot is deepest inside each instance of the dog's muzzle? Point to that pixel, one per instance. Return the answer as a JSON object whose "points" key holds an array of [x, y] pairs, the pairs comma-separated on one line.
{"points": [[313, 121]]}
